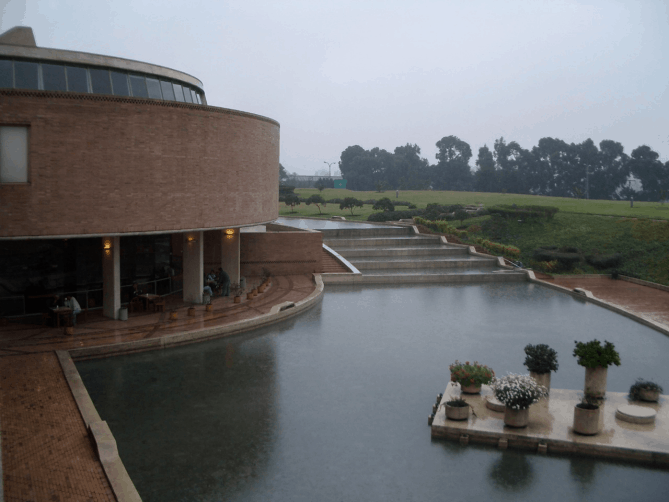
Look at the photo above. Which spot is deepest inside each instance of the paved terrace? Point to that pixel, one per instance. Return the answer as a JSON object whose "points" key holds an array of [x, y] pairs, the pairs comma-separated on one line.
{"points": [[46, 451]]}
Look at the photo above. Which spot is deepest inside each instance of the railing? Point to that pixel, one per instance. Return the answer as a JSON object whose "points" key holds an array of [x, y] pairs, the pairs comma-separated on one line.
{"points": [[15, 306]]}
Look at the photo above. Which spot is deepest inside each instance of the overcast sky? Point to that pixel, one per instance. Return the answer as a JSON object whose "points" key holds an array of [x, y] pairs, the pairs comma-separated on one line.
{"points": [[383, 74]]}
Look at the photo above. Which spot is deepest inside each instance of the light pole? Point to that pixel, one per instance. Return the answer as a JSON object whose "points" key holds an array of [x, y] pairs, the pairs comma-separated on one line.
{"points": [[329, 167]]}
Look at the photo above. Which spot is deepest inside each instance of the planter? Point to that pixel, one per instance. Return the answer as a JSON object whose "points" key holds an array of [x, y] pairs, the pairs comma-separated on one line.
{"points": [[210, 307], [470, 389], [649, 395], [249, 295], [191, 311], [586, 421], [238, 299], [516, 418], [255, 292], [174, 315], [457, 412], [595, 381], [261, 288], [542, 379], [69, 330]]}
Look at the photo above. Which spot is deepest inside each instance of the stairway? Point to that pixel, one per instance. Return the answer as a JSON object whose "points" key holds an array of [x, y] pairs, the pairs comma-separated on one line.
{"points": [[398, 255]]}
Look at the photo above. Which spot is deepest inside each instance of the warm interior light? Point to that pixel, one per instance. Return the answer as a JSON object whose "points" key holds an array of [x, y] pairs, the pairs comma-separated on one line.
{"points": [[230, 231], [107, 244], [191, 238]]}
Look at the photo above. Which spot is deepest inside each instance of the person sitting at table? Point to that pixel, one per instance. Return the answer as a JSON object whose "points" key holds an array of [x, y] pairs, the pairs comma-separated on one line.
{"points": [[210, 280], [207, 290], [72, 303], [223, 282], [135, 291]]}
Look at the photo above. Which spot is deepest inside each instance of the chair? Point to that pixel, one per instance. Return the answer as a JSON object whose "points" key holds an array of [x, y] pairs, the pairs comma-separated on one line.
{"points": [[159, 305], [136, 304]]}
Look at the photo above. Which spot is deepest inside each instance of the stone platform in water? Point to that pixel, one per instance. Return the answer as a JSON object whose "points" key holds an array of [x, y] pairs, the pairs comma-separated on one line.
{"points": [[550, 427]]}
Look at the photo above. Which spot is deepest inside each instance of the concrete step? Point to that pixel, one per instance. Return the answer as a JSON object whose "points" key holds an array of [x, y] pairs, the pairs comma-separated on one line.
{"points": [[473, 277], [426, 259], [441, 250], [439, 271], [424, 266], [341, 242], [348, 233]]}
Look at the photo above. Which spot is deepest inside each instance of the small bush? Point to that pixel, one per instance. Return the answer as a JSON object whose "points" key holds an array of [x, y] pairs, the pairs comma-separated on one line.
{"points": [[394, 215], [384, 204], [499, 249], [605, 261], [592, 354]]}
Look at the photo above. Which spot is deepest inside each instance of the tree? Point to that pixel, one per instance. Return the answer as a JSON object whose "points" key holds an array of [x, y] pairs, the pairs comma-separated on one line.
{"points": [[283, 174], [350, 203], [452, 172], [292, 200], [317, 200], [646, 167], [486, 176], [461, 214], [320, 186], [384, 204]]}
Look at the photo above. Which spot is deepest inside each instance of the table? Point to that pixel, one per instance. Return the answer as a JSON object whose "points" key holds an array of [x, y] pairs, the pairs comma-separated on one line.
{"points": [[149, 300], [59, 312]]}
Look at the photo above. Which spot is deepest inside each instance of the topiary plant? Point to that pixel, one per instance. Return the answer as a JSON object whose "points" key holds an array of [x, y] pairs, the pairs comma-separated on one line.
{"points": [[540, 358], [592, 354]]}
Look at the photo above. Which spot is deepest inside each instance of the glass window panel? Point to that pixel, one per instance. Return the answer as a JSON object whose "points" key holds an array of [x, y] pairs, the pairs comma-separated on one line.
{"points": [[168, 91], [13, 154], [187, 96], [6, 73], [120, 83], [25, 75], [100, 81], [178, 93], [77, 81], [138, 86], [53, 76], [154, 88], [199, 98], [193, 95]]}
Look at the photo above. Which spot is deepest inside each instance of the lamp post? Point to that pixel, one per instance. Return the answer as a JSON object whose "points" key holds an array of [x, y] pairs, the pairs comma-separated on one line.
{"points": [[329, 167]]}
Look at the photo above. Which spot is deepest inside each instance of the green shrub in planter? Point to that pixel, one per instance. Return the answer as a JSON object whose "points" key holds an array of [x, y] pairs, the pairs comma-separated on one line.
{"points": [[642, 385], [592, 354], [540, 358]]}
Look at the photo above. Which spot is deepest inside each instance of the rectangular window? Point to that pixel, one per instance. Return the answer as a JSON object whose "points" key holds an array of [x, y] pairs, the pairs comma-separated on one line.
{"points": [[178, 93], [193, 95], [168, 91], [53, 76], [25, 75], [100, 81], [6, 73], [77, 79], [138, 86], [120, 83], [187, 96], [13, 154], [154, 88], [199, 99]]}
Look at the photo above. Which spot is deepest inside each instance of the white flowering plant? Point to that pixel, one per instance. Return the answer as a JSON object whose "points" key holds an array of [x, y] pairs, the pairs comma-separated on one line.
{"points": [[518, 391]]}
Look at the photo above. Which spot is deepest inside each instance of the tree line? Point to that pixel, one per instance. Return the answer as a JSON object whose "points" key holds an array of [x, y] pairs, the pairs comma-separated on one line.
{"points": [[553, 167]]}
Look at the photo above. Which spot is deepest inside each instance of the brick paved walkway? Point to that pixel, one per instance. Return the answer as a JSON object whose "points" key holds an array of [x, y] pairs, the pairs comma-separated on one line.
{"points": [[46, 451], [649, 302]]}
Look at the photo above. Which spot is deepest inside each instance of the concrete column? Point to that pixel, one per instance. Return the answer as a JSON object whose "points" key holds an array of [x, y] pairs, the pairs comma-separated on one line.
{"points": [[111, 276], [230, 253], [193, 263]]}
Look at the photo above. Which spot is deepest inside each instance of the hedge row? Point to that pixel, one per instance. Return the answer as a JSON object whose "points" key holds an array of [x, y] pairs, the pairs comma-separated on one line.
{"points": [[394, 215], [497, 248], [524, 212], [442, 226]]}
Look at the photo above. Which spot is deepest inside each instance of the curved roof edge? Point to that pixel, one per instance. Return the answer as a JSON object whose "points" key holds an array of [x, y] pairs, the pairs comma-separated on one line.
{"points": [[23, 51]]}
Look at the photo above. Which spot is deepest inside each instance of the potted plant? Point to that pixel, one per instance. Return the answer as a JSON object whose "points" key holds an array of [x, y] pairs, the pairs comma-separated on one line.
{"points": [[457, 409], [596, 358], [540, 360], [470, 376], [518, 393], [586, 416], [645, 390], [236, 291]]}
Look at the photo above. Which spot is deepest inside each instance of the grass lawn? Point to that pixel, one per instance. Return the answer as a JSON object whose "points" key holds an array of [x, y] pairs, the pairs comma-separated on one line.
{"points": [[593, 226], [422, 198]]}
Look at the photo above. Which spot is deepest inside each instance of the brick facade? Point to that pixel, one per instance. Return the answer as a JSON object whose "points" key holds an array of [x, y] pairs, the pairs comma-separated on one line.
{"points": [[282, 253], [102, 165]]}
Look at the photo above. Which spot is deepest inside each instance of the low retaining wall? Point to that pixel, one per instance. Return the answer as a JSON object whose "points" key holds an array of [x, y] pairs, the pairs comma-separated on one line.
{"points": [[282, 253]]}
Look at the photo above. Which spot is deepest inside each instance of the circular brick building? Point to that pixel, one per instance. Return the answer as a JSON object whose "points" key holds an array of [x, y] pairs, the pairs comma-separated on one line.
{"points": [[115, 171]]}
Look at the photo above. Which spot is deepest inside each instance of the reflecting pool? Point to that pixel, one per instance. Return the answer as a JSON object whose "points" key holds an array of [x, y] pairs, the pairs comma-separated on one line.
{"points": [[333, 405]]}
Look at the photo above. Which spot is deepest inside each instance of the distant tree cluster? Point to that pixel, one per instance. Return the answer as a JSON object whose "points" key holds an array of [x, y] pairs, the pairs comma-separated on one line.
{"points": [[553, 167]]}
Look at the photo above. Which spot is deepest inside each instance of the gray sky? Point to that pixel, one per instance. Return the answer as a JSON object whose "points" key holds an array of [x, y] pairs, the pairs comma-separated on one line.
{"points": [[383, 74]]}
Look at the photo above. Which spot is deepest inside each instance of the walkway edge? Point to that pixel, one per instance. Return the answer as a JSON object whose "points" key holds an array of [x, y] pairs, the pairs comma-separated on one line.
{"points": [[186, 337], [103, 439], [583, 295]]}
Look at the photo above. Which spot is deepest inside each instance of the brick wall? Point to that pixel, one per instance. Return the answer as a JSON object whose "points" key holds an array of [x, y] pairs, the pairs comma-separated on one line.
{"points": [[282, 253], [104, 165]]}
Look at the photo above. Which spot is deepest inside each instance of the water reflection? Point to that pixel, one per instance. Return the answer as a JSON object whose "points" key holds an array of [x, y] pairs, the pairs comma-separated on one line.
{"points": [[512, 471]]}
